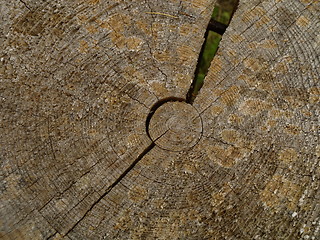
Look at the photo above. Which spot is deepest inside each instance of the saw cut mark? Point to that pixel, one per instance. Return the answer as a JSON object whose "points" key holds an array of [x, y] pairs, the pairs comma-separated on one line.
{"points": [[215, 29]]}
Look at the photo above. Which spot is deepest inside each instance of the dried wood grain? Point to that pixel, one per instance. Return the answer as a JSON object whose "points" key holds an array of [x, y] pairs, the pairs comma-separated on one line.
{"points": [[78, 80]]}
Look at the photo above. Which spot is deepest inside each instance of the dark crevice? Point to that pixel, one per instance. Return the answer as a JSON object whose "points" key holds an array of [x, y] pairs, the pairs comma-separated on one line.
{"points": [[24, 3], [154, 109], [156, 106], [113, 185], [52, 235], [213, 26], [217, 27], [208, 51], [134, 163]]}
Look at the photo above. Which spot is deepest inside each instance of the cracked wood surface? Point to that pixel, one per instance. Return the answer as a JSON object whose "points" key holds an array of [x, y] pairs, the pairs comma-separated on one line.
{"points": [[78, 79]]}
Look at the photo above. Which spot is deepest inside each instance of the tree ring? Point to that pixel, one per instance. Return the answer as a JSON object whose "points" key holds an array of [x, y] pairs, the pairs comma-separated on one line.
{"points": [[175, 126]]}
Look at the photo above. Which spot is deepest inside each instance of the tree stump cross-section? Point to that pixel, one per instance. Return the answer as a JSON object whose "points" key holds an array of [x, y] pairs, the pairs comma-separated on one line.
{"points": [[98, 142]]}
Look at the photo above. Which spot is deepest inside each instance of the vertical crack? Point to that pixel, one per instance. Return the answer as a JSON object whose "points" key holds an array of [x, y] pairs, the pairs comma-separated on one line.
{"points": [[215, 29]]}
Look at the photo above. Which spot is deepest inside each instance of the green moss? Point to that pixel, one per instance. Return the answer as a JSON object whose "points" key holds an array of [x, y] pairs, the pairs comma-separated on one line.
{"points": [[209, 51], [221, 13], [210, 48]]}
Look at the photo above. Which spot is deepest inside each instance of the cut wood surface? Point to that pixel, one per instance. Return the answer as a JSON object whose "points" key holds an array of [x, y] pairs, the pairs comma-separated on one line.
{"points": [[97, 142]]}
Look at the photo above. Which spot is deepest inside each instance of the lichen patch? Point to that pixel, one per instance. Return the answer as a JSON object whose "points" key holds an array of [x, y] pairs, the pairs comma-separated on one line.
{"points": [[292, 129], [235, 119], [83, 46], [138, 194], [93, 2], [134, 43], [216, 110], [268, 44], [230, 96], [186, 29], [256, 12], [253, 106], [219, 197], [162, 56], [302, 21], [253, 64], [236, 38], [263, 21], [186, 54], [225, 156], [288, 155], [230, 136], [281, 192]]}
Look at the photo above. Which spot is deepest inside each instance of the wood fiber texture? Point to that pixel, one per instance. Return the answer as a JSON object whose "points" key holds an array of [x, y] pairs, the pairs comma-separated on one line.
{"points": [[78, 80]]}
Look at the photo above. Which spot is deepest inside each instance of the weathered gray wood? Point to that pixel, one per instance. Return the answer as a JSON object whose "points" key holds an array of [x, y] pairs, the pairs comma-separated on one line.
{"points": [[78, 79], [175, 126], [260, 103]]}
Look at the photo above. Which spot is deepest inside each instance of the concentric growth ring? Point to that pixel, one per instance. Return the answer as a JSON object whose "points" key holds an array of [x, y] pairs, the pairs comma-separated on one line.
{"points": [[174, 125]]}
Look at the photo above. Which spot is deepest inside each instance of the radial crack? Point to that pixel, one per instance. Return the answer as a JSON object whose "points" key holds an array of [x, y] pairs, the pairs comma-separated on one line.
{"points": [[24, 3], [213, 34], [133, 164]]}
